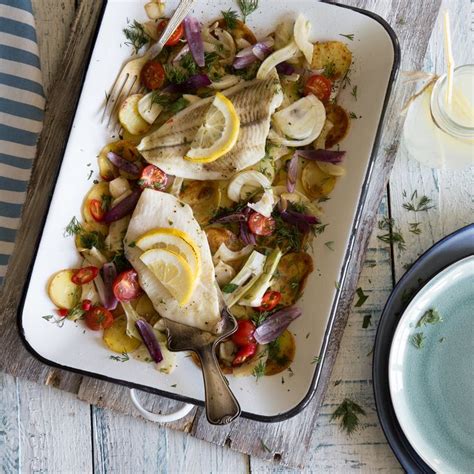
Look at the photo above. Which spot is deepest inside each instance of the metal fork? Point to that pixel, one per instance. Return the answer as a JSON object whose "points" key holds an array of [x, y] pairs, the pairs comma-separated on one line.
{"points": [[128, 80]]}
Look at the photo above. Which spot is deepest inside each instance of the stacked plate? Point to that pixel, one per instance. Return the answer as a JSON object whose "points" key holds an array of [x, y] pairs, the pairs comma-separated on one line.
{"points": [[423, 367]]}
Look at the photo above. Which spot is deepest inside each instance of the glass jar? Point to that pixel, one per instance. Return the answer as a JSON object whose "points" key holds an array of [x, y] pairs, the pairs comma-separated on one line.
{"points": [[438, 134]]}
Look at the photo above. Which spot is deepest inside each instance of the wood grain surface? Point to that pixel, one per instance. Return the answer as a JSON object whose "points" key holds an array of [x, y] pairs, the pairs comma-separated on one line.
{"points": [[33, 419]]}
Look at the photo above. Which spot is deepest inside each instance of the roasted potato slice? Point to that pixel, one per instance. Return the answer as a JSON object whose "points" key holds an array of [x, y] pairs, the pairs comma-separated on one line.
{"points": [[291, 276], [333, 56], [116, 339], [129, 116], [281, 353], [340, 120], [315, 182], [62, 291], [204, 197], [219, 235], [124, 148], [99, 192], [93, 235]]}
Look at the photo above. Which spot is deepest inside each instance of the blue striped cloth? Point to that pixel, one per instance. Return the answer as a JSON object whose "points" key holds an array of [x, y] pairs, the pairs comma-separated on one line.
{"points": [[21, 114]]}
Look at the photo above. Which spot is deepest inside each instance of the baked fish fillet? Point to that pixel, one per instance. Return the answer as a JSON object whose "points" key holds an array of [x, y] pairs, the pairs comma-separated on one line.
{"points": [[255, 101], [156, 209]]}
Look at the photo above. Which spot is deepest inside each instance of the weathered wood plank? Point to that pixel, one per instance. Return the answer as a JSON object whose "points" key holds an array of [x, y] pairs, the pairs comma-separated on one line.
{"points": [[9, 427], [53, 27], [59, 114], [55, 430], [123, 444]]}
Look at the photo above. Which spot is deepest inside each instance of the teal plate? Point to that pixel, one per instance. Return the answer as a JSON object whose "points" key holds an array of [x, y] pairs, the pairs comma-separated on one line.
{"points": [[432, 387]]}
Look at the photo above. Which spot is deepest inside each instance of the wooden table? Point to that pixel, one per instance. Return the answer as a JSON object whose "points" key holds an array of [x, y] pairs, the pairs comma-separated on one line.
{"points": [[47, 430]]}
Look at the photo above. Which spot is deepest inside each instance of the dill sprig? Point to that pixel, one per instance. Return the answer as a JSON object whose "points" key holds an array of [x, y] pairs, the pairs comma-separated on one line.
{"points": [[123, 358], [348, 415], [259, 370], [362, 297], [136, 36], [349, 36], [418, 205], [414, 228], [329, 69], [87, 239], [393, 236], [230, 17], [418, 340], [354, 92], [73, 228], [430, 317], [247, 7], [188, 63], [176, 74], [315, 360]]}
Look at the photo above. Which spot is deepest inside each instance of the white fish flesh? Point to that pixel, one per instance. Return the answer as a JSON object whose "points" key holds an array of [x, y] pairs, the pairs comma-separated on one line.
{"points": [[255, 101], [156, 209]]}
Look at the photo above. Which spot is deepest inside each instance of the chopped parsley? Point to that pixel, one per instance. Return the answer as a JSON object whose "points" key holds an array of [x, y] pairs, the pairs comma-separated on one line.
{"points": [[418, 340], [136, 36], [230, 17], [430, 317], [348, 415]]}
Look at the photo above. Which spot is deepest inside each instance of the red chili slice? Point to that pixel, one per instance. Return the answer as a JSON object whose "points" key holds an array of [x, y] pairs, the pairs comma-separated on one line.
{"points": [[153, 178], [84, 275], [244, 334], [270, 300], [99, 318], [244, 353], [261, 225], [63, 312], [153, 75], [126, 286], [96, 210], [86, 305]]}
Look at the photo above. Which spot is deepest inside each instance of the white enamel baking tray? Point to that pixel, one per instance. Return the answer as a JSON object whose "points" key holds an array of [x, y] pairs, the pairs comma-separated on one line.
{"points": [[376, 57]]}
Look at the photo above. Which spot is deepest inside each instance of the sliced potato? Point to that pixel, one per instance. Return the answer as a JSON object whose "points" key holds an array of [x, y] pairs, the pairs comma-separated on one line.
{"points": [[116, 339], [340, 120], [320, 142], [94, 232], [204, 197], [332, 52], [129, 116], [99, 191], [62, 291], [315, 182], [331, 169], [291, 276], [281, 354], [126, 149], [218, 235]]}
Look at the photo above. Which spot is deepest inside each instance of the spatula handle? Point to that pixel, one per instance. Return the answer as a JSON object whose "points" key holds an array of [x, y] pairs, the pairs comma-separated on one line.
{"points": [[221, 405]]}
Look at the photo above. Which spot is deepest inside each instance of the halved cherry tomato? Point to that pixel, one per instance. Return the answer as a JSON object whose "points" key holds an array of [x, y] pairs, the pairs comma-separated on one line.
{"points": [[244, 353], [63, 312], [153, 178], [175, 37], [84, 275], [86, 305], [126, 286], [270, 300], [153, 75], [99, 318], [320, 86], [244, 333], [261, 225], [96, 209]]}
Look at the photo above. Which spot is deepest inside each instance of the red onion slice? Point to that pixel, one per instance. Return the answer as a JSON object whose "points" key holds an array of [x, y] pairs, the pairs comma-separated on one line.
{"points": [[262, 49], [244, 61], [191, 85], [109, 273], [150, 340], [235, 217], [285, 69], [276, 324], [245, 235], [192, 30], [302, 221], [327, 156], [123, 208], [292, 173], [123, 164]]}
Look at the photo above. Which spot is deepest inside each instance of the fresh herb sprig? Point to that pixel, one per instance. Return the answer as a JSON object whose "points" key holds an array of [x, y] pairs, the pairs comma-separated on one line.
{"points": [[259, 370], [247, 7], [123, 358], [362, 297], [87, 239], [329, 69], [348, 415], [136, 36], [354, 92], [431, 316], [350, 36], [230, 17], [423, 204], [392, 236], [418, 340]]}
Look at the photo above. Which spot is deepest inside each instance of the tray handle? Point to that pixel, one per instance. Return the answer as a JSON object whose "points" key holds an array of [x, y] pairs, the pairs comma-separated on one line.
{"points": [[155, 417]]}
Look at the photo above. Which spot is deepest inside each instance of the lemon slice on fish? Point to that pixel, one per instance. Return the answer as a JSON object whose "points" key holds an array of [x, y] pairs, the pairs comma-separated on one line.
{"points": [[218, 134], [173, 272], [173, 240]]}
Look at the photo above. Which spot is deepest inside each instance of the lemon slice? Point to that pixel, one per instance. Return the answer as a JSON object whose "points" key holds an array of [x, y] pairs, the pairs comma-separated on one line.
{"points": [[173, 240], [173, 271], [218, 134]]}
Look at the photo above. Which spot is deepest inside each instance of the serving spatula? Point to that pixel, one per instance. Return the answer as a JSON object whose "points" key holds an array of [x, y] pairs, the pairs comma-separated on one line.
{"points": [[221, 405]]}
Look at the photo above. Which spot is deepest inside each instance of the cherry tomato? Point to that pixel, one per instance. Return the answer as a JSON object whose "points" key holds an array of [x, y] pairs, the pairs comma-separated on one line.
{"points": [[86, 305], [175, 37], [126, 286], [153, 75], [84, 275], [261, 225], [244, 333], [63, 312], [153, 178], [270, 300], [96, 209], [244, 353], [99, 318], [320, 86]]}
